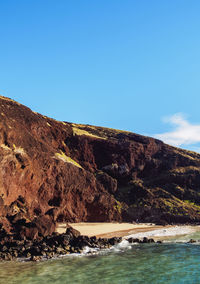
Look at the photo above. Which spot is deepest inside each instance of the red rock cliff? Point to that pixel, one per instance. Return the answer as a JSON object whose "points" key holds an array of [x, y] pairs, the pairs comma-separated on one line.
{"points": [[70, 172]]}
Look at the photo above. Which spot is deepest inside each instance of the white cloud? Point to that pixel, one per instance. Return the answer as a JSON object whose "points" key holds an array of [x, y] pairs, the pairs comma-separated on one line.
{"points": [[184, 133]]}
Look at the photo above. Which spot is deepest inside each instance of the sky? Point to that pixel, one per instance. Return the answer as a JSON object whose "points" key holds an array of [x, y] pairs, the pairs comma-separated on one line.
{"points": [[126, 64]]}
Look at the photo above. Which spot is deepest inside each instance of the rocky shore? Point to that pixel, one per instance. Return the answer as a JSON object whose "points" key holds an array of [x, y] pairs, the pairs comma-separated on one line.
{"points": [[13, 247], [55, 172]]}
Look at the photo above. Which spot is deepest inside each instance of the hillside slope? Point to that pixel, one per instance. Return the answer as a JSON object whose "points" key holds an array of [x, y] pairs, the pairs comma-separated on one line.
{"points": [[71, 172]]}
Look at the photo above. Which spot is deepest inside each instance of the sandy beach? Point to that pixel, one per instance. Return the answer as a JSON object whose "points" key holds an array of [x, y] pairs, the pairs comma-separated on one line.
{"points": [[126, 230], [106, 229]]}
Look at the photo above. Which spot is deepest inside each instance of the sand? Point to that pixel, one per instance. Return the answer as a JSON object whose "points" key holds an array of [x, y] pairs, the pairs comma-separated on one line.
{"points": [[100, 229], [126, 230]]}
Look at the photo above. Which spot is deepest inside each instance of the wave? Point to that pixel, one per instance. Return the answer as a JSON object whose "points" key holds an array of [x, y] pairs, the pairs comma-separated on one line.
{"points": [[165, 232]]}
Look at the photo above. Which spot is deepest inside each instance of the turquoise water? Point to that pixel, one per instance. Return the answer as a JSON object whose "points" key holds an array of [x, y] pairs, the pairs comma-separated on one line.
{"points": [[147, 263]]}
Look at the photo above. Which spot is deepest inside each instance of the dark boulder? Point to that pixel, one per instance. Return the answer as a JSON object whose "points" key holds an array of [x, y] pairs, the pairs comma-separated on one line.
{"points": [[72, 232]]}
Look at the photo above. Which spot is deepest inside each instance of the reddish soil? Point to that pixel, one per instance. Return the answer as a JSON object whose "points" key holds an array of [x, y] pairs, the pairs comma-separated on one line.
{"points": [[52, 171]]}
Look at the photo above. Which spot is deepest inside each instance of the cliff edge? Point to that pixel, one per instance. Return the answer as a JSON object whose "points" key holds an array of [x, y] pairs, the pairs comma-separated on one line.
{"points": [[53, 171]]}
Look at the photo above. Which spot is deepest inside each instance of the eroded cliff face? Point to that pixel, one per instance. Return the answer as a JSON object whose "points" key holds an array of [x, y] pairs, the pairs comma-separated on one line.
{"points": [[70, 172]]}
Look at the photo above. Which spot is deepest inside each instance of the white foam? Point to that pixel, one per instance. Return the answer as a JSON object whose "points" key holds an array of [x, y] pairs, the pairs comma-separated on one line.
{"points": [[165, 232], [124, 244], [87, 250]]}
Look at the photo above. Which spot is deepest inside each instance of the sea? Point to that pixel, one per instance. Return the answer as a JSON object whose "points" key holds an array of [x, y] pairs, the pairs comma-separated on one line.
{"points": [[173, 261]]}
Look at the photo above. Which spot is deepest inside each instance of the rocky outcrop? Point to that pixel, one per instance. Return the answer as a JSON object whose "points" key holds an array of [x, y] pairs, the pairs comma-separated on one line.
{"points": [[56, 245], [52, 171], [13, 247]]}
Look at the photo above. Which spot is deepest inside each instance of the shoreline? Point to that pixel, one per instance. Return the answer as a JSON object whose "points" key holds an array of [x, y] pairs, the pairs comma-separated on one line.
{"points": [[106, 229], [127, 230], [102, 236]]}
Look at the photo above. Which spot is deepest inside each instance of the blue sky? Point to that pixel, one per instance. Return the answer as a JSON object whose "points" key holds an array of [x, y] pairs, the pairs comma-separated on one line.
{"points": [[124, 64]]}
